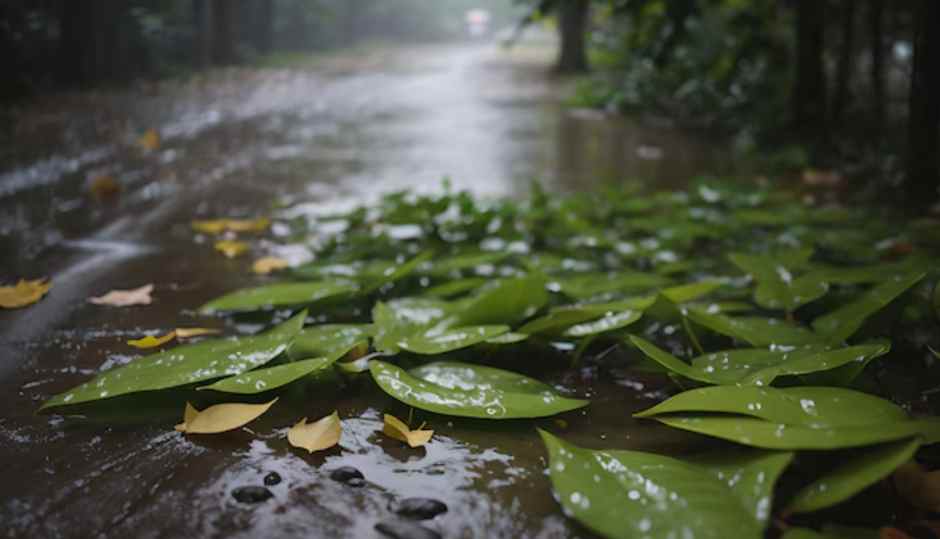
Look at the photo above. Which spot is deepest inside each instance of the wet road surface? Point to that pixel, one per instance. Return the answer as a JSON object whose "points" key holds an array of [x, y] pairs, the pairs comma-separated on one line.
{"points": [[284, 141]]}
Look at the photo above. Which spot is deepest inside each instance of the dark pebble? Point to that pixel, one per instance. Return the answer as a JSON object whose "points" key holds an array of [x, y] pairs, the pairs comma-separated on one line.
{"points": [[272, 479], [347, 474], [418, 508], [405, 530], [252, 494]]}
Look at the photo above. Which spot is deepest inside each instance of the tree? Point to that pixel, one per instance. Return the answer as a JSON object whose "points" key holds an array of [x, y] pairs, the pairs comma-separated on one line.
{"points": [[572, 31], [809, 90], [923, 175], [876, 28], [846, 56], [223, 32]]}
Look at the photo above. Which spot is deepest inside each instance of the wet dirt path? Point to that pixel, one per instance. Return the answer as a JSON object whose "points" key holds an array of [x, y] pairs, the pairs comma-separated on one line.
{"points": [[237, 144]]}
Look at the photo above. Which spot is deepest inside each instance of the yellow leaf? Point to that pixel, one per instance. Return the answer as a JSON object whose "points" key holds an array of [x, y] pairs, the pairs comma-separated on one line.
{"points": [[222, 417], [321, 434], [23, 293], [397, 429], [125, 298], [188, 415], [218, 226], [150, 140], [152, 342], [266, 265], [186, 333], [249, 225], [230, 248], [104, 187]]}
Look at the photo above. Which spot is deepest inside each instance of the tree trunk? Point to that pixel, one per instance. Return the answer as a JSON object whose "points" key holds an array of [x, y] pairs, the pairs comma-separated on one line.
{"points": [[572, 30], [74, 54], [223, 32], [264, 26], [846, 55], [876, 28], [809, 92], [202, 33], [923, 175]]}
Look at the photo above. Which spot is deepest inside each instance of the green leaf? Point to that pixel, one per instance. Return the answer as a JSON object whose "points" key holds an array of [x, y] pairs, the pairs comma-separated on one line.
{"points": [[467, 390], [607, 323], [467, 261], [328, 340], [440, 341], [629, 494], [854, 475], [808, 406], [842, 323], [777, 287], [261, 380], [562, 318], [765, 434], [455, 288], [762, 366], [508, 338], [593, 284], [507, 302], [757, 331], [278, 295], [689, 292], [394, 273], [184, 365], [401, 318]]}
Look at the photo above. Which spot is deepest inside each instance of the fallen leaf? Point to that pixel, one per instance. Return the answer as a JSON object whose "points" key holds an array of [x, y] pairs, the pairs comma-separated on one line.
{"points": [[918, 486], [23, 293], [230, 248], [218, 226], [150, 341], [397, 429], [189, 414], [221, 417], [321, 434], [150, 140], [266, 265], [104, 187], [125, 298], [187, 333], [892, 533]]}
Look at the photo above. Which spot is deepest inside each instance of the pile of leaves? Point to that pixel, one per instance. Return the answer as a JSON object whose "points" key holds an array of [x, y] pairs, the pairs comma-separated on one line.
{"points": [[773, 318]]}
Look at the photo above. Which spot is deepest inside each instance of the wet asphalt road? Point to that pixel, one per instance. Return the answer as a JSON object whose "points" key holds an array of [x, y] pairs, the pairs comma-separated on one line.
{"points": [[336, 133]]}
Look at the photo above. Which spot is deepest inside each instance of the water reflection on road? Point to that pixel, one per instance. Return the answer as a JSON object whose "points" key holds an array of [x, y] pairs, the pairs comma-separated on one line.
{"points": [[234, 144]]}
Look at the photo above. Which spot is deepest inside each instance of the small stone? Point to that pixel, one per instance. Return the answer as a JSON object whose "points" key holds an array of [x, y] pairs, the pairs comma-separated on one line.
{"points": [[272, 479], [356, 482], [418, 508], [397, 529], [252, 494], [346, 474]]}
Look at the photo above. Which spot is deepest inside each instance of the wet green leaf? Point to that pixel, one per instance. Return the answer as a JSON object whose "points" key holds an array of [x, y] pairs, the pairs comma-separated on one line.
{"points": [[278, 295], [777, 285], [467, 390], [392, 273], [629, 494], [328, 340], [842, 323], [689, 292], [467, 261], [440, 341], [757, 331], [562, 318], [455, 288], [608, 322], [809, 406], [854, 475], [401, 318], [507, 302], [759, 366], [184, 365], [593, 284], [765, 434], [261, 380]]}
